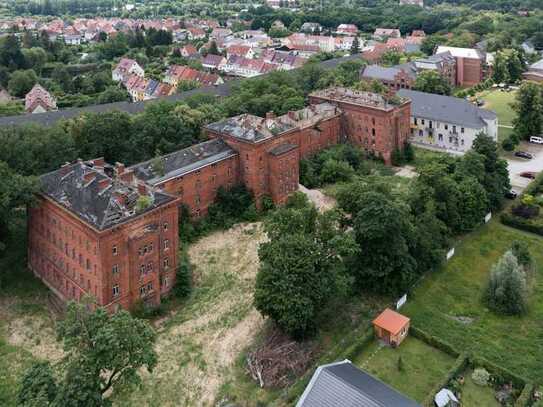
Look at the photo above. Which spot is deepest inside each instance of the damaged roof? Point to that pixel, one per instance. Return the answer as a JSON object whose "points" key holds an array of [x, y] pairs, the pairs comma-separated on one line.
{"points": [[184, 161], [96, 198], [248, 127]]}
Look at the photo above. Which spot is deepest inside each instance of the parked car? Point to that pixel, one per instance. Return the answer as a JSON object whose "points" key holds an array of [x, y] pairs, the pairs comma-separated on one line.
{"points": [[528, 174], [480, 102], [523, 154], [536, 140], [512, 194]]}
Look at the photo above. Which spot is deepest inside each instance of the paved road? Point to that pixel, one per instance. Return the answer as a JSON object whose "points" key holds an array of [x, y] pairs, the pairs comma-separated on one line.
{"points": [[518, 165], [50, 118]]}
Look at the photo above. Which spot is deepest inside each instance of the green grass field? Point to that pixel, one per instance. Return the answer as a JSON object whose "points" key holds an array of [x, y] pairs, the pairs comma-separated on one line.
{"points": [[423, 366], [500, 102], [474, 395], [515, 343]]}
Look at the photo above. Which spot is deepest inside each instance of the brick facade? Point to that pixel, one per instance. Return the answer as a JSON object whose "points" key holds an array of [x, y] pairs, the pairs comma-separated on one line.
{"points": [[88, 234]]}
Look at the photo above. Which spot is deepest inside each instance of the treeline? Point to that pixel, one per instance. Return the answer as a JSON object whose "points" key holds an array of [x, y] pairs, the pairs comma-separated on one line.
{"points": [[378, 240], [28, 151]]}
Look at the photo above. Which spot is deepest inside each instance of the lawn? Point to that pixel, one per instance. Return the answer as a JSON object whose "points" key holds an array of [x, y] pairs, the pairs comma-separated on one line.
{"points": [[499, 102], [475, 395], [423, 366], [447, 304]]}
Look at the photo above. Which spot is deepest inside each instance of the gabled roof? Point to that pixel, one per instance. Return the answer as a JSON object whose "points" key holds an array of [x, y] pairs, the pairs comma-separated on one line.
{"points": [[380, 72], [248, 127], [343, 384], [537, 65], [447, 109], [184, 161]]}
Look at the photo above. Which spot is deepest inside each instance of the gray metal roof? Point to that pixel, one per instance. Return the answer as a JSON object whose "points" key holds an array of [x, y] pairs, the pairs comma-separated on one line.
{"points": [[343, 384], [380, 72], [184, 161], [537, 65], [447, 109], [222, 90]]}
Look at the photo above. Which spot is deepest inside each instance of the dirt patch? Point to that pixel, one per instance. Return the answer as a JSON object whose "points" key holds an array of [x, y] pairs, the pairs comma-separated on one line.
{"points": [[199, 343], [321, 201], [36, 335]]}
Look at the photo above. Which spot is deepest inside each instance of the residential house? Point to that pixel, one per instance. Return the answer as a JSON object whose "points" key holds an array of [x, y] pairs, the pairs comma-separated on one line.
{"points": [[344, 384], [447, 123], [125, 68], [347, 29], [311, 28], [195, 33], [38, 100], [136, 85], [72, 36], [240, 51], [383, 33], [213, 62], [394, 78], [534, 72], [220, 33], [177, 73], [189, 51]]}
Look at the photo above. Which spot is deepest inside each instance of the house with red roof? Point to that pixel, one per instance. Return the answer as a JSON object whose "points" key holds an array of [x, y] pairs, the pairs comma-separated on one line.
{"points": [[213, 62], [189, 51], [241, 51], [38, 100], [195, 33], [391, 327], [125, 68], [178, 73], [347, 29]]}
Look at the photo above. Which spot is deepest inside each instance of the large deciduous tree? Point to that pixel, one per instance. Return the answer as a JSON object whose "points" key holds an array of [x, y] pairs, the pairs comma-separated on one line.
{"points": [[432, 82], [529, 109]]}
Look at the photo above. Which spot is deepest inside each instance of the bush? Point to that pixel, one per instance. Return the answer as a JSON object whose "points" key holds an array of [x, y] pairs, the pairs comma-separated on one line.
{"points": [[522, 253], [521, 223], [459, 366], [525, 396], [506, 290], [433, 341], [183, 277], [480, 376], [508, 144], [525, 211]]}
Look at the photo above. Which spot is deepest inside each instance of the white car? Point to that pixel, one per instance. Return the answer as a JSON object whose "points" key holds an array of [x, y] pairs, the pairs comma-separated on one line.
{"points": [[536, 140]]}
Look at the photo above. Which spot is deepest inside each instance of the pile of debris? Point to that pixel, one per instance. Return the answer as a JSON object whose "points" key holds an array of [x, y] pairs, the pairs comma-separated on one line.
{"points": [[279, 361]]}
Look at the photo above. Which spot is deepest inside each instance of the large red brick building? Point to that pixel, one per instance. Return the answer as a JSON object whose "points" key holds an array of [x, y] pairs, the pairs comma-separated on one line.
{"points": [[97, 230], [112, 232]]}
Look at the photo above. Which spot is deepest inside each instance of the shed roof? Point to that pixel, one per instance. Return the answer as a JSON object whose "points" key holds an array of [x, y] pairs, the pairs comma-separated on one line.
{"points": [[391, 321]]}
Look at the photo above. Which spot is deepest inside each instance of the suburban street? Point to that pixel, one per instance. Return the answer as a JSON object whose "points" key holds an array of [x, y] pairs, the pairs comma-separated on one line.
{"points": [[518, 165]]}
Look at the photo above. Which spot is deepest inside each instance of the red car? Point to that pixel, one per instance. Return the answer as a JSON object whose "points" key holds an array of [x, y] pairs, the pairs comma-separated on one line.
{"points": [[528, 174]]}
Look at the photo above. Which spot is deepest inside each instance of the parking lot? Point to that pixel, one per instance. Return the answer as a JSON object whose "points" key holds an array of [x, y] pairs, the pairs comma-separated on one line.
{"points": [[518, 165]]}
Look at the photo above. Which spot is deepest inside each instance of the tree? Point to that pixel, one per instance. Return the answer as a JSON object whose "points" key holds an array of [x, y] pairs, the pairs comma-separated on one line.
{"points": [[11, 55], [390, 58], [473, 204], [110, 348], [506, 289], [355, 47], [383, 232], [496, 176], [37, 385], [61, 76], [335, 171], [21, 82], [432, 82], [301, 267], [529, 109], [213, 48], [521, 251], [113, 94]]}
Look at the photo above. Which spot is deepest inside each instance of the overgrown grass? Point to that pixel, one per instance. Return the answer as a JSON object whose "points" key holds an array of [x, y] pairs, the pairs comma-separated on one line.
{"points": [[423, 366], [515, 343], [499, 102], [475, 395], [21, 294]]}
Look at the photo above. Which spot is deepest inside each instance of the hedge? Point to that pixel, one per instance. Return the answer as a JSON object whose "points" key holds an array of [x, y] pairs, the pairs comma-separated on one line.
{"points": [[355, 349], [459, 366], [433, 341], [517, 222], [525, 397]]}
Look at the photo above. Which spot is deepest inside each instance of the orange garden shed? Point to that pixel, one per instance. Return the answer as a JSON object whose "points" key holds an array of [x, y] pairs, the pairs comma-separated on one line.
{"points": [[391, 327]]}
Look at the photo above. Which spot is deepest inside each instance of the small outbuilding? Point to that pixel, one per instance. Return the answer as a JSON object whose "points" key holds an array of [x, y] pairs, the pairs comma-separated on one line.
{"points": [[446, 398], [391, 327]]}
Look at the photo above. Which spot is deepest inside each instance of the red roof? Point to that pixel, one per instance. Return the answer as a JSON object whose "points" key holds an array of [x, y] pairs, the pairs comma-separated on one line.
{"points": [[391, 321]]}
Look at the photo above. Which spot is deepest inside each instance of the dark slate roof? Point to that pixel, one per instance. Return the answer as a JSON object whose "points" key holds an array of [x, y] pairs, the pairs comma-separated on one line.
{"points": [[447, 109], [343, 384], [223, 90], [380, 72], [184, 161], [248, 127], [282, 149], [76, 187]]}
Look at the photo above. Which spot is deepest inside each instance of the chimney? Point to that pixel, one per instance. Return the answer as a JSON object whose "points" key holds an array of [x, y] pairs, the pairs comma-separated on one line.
{"points": [[89, 176], [270, 115], [120, 198], [119, 168], [103, 184], [127, 176], [65, 168], [99, 162], [142, 188]]}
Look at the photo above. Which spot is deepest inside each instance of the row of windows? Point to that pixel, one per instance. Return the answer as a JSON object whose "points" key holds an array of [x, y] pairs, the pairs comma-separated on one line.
{"points": [[431, 125], [68, 232], [144, 269], [146, 289]]}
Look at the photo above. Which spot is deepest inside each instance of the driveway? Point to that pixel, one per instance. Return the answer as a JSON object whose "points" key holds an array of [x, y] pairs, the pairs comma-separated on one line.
{"points": [[518, 165]]}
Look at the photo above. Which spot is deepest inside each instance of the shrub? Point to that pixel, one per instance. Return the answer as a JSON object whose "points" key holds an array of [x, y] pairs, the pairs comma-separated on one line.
{"points": [[480, 376], [522, 253], [508, 144], [183, 277], [335, 171], [401, 367], [526, 211], [143, 203], [506, 290]]}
